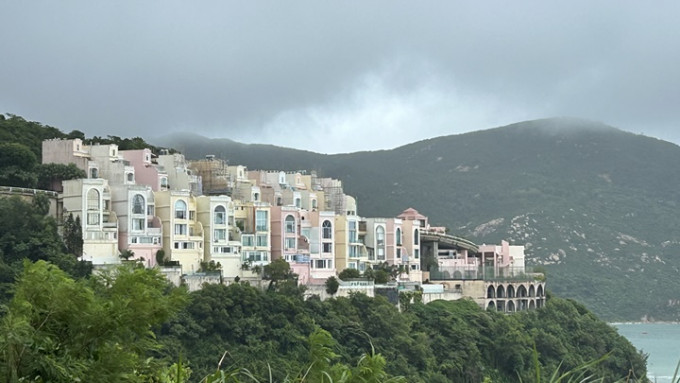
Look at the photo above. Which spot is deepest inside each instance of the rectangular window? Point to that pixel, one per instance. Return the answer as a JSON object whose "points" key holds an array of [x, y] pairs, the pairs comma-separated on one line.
{"points": [[290, 243], [180, 214], [180, 229], [255, 256], [220, 235], [220, 218], [353, 253], [149, 210], [290, 226], [262, 240], [176, 245], [248, 240], [261, 220], [138, 224], [381, 254], [192, 215], [327, 247], [352, 232], [416, 253], [93, 218]]}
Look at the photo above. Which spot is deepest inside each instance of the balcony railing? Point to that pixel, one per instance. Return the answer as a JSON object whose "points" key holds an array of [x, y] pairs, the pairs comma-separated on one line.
{"points": [[485, 273]]}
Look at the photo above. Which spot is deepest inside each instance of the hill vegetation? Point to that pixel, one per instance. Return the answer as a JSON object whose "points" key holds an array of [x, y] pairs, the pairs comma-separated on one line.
{"points": [[131, 325], [594, 205]]}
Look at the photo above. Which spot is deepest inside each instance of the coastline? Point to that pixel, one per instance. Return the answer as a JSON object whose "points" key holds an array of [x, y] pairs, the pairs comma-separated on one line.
{"points": [[642, 322]]}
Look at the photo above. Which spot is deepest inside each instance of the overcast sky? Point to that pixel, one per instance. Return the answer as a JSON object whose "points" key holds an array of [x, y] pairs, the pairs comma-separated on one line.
{"points": [[338, 76]]}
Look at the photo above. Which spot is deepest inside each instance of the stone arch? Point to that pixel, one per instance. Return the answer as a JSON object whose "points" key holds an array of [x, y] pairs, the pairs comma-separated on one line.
{"points": [[532, 291], [491, 305], [539, 291], [500, 291], [521, 291], [457, 275], [491, 292], [511, 306], [511, 291]]}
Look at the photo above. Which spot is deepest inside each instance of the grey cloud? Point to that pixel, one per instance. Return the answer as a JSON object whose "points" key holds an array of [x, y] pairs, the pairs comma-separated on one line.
{"points": [[333, 72]]}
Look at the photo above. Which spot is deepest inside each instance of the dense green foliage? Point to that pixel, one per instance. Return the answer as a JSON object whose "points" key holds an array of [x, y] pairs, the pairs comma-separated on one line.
{"points": [[438, 342], [21, 153], [596, 206], [95, 330], [29, 233]]}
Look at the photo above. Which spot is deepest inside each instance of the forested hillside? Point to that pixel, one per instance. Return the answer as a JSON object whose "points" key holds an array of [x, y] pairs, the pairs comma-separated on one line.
{"points": [[64, 327], [595, 205], [130, 324]]}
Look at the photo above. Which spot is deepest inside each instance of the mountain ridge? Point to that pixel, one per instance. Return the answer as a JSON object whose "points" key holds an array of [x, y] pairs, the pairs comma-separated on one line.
{"points": [[594, 204]]}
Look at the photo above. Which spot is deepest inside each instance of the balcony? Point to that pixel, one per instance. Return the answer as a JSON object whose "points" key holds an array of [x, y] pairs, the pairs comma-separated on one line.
{"points": [[154, 230], [486, 273]]}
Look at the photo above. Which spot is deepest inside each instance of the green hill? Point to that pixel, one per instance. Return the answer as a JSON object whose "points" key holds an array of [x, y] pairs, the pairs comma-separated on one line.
{"points": [[595, 205]]}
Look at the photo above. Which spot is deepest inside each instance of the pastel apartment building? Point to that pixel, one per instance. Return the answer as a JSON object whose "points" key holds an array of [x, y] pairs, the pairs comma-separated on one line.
{"points": [[180, 177], [253, 222], [287, 240], [140, 229], [147, 171], [66, 151], [221, 239], [321, 244], [90, 199], [182, 232], [111, 164], [350, 250]]}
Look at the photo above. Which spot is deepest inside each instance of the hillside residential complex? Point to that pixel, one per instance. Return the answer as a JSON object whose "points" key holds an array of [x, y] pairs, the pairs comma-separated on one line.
{"points": [[207, 222]]}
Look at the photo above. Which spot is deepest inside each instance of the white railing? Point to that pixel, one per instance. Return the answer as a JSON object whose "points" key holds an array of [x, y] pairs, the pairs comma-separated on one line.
{"points": [[26, 191]]}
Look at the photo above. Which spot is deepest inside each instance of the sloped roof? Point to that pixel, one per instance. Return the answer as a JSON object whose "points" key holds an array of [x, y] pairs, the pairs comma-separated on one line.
{"points": [[411, 214]]}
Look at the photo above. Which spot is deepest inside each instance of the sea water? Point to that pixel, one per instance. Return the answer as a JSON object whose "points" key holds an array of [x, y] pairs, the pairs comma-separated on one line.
{"points": [[661, 341]]}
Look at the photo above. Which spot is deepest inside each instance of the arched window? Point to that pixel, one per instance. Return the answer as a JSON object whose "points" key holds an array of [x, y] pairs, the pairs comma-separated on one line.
{"points": [[398, 234], [416, 237], [327, 230], [290, 224], [138, 204], [180, 209], [220, 215], [93, 207], [94, 173]]}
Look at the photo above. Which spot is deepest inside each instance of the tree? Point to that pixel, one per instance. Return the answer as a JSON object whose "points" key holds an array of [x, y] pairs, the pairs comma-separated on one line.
{"points": [[160, 257], [17, 164], [278, 271], [127, 254], [382, 276], [76, 134], [349, 274], [50, 176], [332, 285], [61, 330], [73, 235]]}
